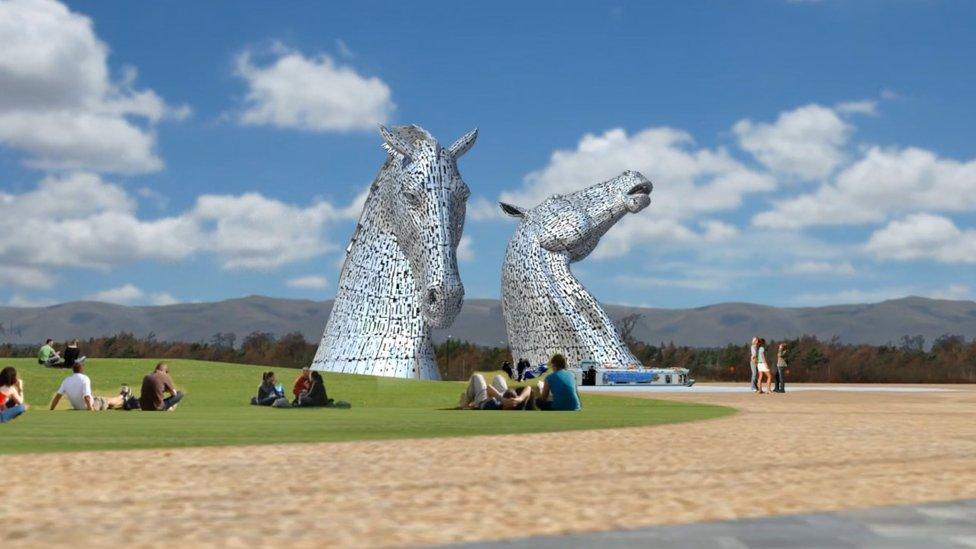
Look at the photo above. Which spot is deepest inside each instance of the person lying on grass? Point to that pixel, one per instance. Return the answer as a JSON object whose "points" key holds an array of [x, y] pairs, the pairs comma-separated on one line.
{"points": [[497, 396], [154, 387], [11, 395], [269, 391], [77, 387]]}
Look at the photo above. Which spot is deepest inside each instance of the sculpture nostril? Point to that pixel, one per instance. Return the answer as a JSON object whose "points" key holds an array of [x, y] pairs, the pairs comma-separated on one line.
{"points": [[431, 296]]}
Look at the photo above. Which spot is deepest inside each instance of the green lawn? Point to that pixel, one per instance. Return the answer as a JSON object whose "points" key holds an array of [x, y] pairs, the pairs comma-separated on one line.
{"points": [[215, 411]]}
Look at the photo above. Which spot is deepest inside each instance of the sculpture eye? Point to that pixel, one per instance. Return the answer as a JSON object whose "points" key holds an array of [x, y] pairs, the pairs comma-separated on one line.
{"points": [[412, 197]]}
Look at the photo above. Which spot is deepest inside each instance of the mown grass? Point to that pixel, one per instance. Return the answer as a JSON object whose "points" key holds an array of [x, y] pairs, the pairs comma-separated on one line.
{"points": [[215, 411]]}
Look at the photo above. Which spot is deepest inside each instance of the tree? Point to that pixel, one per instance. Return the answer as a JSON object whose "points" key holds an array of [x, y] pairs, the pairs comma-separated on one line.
{"points": [[913, 344], [626, 326]]}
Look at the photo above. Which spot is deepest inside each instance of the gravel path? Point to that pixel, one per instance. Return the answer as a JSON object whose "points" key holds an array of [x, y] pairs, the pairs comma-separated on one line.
{"points": [[808, 451]]}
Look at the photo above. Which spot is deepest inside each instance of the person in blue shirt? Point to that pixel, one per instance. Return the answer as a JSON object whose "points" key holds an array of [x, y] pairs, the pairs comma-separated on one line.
{"points": [[558, 391]]}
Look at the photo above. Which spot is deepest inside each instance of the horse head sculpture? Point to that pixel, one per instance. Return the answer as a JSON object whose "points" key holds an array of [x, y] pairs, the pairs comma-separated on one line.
{"points": [[400, 276], [427, 199], [546, 309]]}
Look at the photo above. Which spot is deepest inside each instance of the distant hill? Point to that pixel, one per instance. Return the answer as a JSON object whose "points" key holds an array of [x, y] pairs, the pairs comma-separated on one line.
{"points": [[481, 321]]}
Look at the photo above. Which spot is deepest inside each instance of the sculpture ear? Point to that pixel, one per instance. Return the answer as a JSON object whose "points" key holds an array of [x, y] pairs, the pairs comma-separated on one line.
{"points": [[513, 211], [463, 144], [392, 143]]}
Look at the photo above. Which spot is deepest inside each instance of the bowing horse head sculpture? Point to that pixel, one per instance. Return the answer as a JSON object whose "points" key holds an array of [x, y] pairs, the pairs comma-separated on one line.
{"points": [[400, 276], [546, 309]]}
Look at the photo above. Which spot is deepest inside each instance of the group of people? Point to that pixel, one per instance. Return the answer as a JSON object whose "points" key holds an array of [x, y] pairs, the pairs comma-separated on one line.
{"points": [[556, 392], [523, 370], [762, 373], [48, 356], [308, 391], [158, 393]]}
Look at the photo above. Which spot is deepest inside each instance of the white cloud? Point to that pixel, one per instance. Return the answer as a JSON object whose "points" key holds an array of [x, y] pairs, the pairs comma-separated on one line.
{"points": [[25, 277], [344, 49], [924, 237], [688, 283], [465, 250], [820, 268], [18, 300], [806, 143], [952, 292], [691, 181], [79, 220], [310, 282], [482, 209], [857, 107], [882, 183], [316, 94], [59, 104], [251, 231], [130, 294]]}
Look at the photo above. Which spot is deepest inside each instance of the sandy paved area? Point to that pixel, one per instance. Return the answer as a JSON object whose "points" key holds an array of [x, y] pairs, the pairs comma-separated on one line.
{"points": [[801, 452]]}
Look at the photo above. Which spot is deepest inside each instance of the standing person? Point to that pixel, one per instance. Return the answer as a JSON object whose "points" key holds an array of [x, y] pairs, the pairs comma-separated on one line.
{"points": [[763, 368], [73, 355], [507, 368], [47, 356], [522, 365], [752, 362], [558, 391], [781, 368], [77, 387], [11, 395], [154, 386]]}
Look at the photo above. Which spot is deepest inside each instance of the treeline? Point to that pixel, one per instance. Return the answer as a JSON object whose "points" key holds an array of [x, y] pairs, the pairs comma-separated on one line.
{"points": [[950, 358], [289, 351]]}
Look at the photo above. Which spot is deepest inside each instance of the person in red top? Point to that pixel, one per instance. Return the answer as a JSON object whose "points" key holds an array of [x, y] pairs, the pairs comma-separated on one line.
{"points": [[303, 383]]}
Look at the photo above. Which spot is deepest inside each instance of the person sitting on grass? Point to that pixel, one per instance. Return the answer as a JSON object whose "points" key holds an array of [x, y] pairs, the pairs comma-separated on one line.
{"points": [[269, 391], [315, 395], [72, 355], [77, 387], [302, 383], [558, 391], [11, 395], [154, 386], [47, 356], [497, 396]]}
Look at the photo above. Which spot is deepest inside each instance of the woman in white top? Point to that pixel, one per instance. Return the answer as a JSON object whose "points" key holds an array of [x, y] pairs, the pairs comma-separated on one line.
{"points": [[763, 368], [752, 364]]}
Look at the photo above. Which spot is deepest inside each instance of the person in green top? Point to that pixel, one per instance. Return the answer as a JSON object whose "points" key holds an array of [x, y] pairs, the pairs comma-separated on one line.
{"points": [[558, 390], [47, 356]]}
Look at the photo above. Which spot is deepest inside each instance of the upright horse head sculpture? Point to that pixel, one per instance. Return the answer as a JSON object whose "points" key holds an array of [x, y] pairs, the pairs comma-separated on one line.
{"points": [[400, 275], [546, 309]]}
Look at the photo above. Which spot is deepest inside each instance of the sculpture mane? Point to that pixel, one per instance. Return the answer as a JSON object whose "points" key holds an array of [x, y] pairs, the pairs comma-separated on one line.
{"points": [[546, 309], [400, 275]]}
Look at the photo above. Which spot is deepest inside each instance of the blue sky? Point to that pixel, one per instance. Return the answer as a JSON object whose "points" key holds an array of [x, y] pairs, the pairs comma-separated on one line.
{"points": [[803, 153]]}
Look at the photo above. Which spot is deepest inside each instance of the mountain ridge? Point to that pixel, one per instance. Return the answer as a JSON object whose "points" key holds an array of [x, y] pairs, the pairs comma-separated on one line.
{"points": [[481, 320]]}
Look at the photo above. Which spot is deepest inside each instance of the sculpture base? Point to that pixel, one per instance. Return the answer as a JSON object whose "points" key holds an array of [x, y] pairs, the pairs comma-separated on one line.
{"points": [[632, 376]]}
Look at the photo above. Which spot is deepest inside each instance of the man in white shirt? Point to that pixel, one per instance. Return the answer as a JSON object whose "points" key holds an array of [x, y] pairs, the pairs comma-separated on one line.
{"points": [[77, 387]]}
